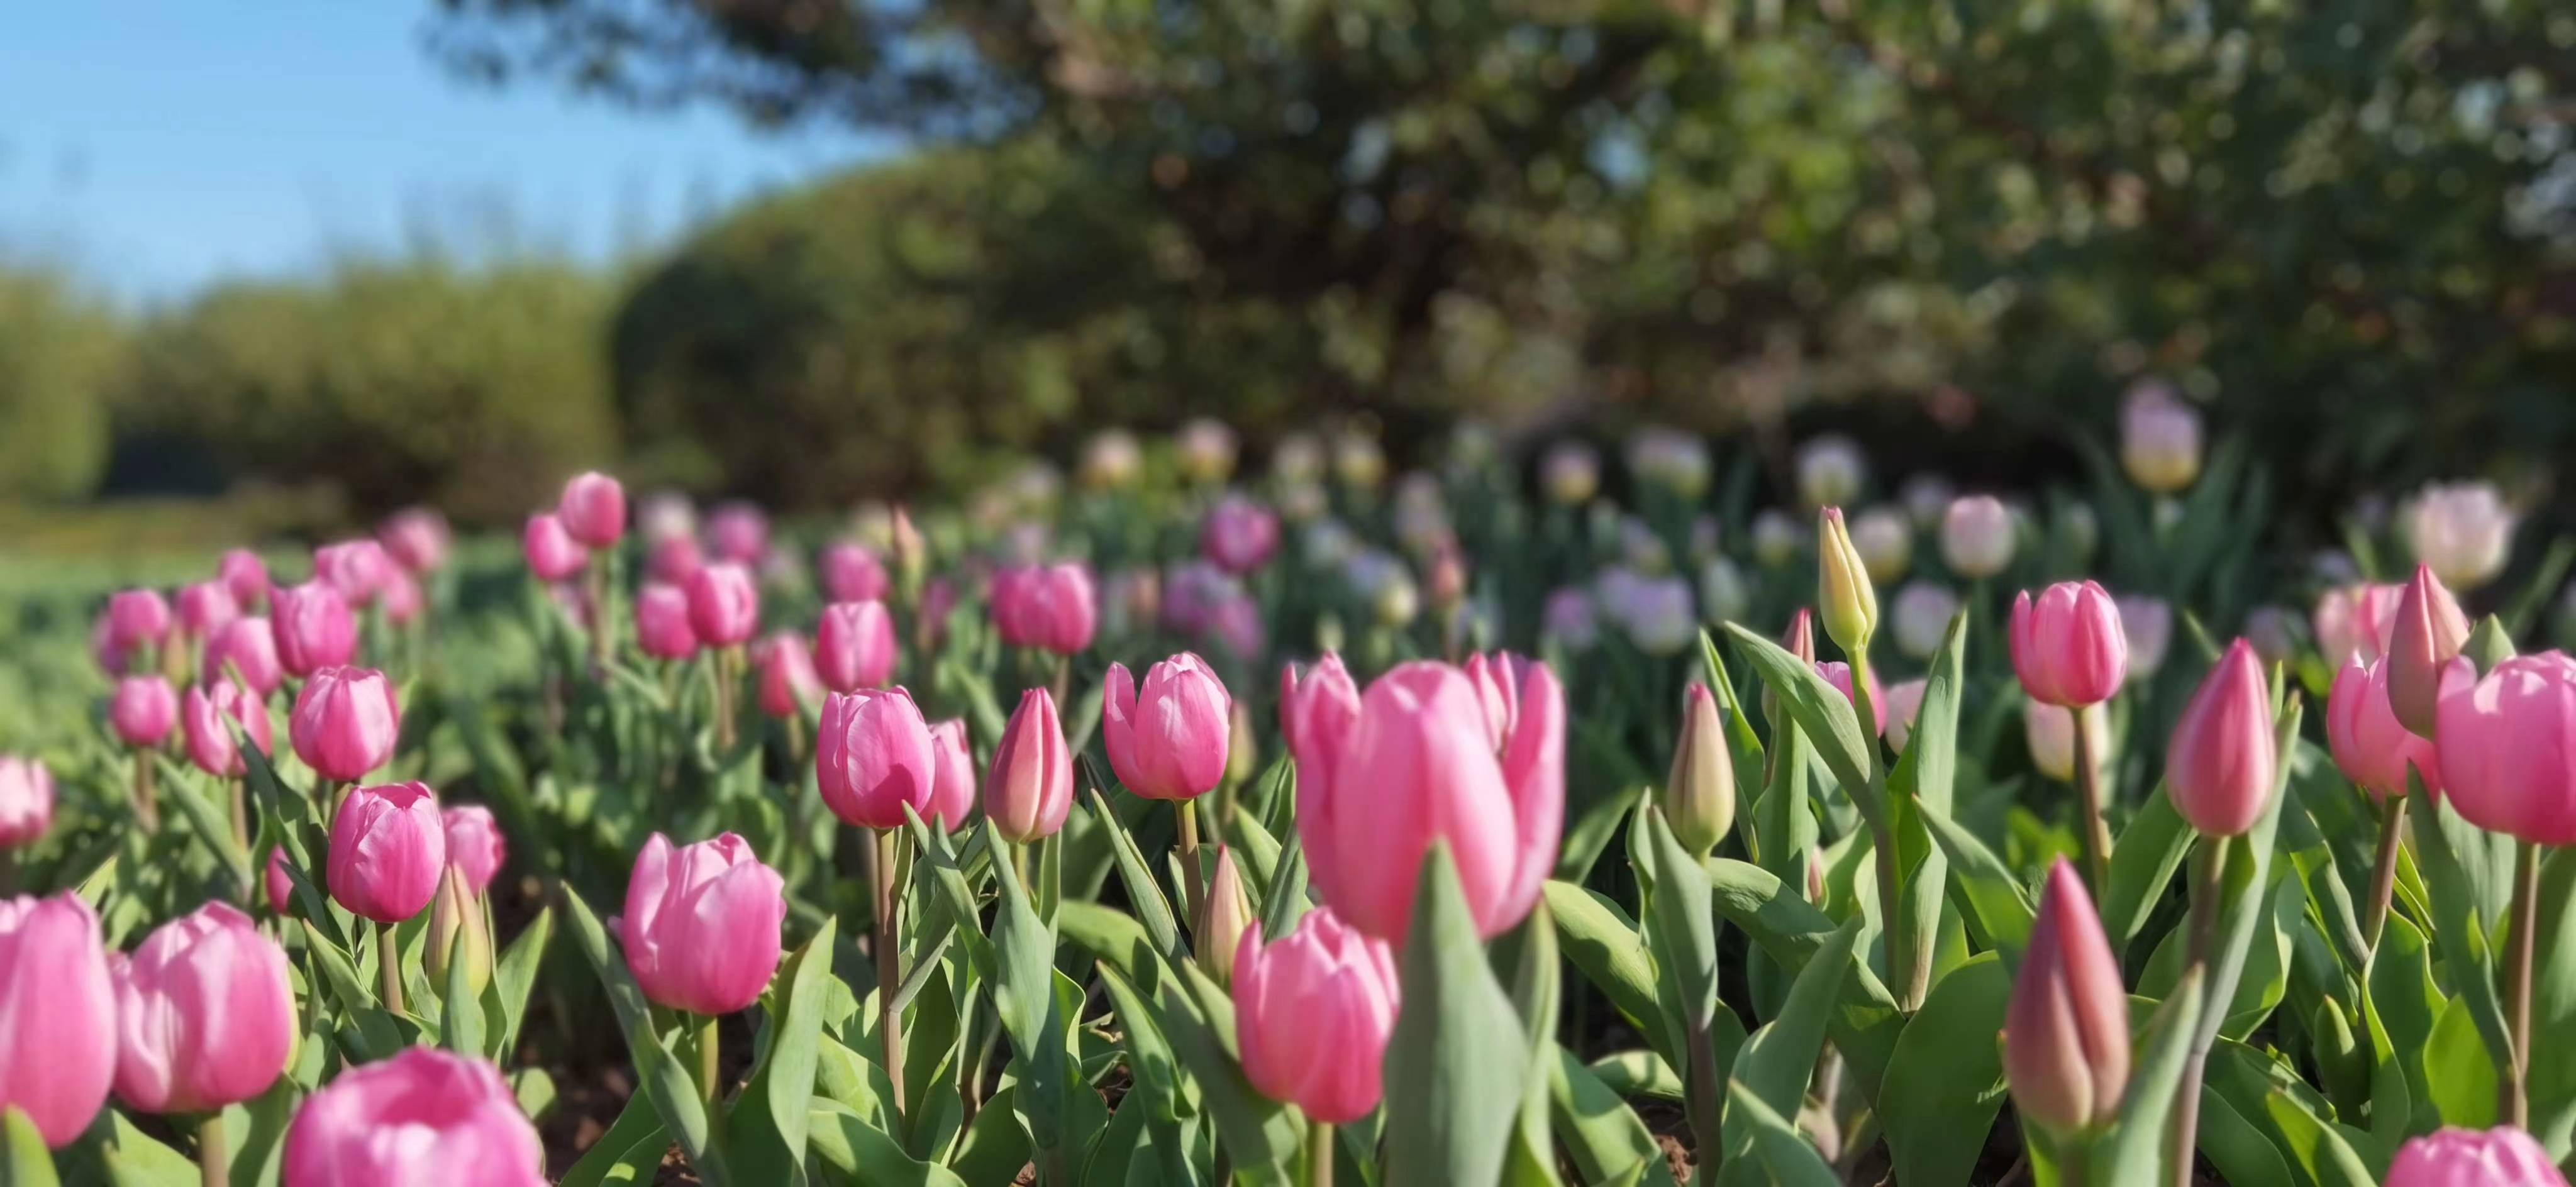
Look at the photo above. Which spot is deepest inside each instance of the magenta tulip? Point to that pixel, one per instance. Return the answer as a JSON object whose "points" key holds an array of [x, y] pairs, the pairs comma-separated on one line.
{"points": [[26, 801], [662, 621], [1030, 788], [210, 713], [143, 710], [246, 650], [424, 1116], [2356, 621], [855, 648], [2499, 1157], [246, 575], [1240, 535], [2068, 646], [553, 555], [1312, 1016], [1838, 674], [388, 847], [1051, 608], [137, 618], [2426, 636], [873, 758], [345, 723], [474, 844], [952, 792], [740, 533], [2369, 745], [851, 573], [357, 568], [1320, 703], [1417, 763], [205, 1016], [2220, 763], [1168, 742], [675, 560], [311, 627], [724, 605], [701, 924], [205, 607], [593, 510], [416, 538], [401, 599], [57, 1014], [2508, 746], [2066, 1030], [787, 680]]}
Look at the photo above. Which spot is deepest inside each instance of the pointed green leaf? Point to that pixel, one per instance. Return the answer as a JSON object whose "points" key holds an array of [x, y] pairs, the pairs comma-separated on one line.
{"points": [[767, 1127], [1455, 1063]]}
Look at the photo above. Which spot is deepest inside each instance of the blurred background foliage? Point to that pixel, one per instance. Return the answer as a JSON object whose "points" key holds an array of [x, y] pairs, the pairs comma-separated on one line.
{"points": [[1954, 231]]}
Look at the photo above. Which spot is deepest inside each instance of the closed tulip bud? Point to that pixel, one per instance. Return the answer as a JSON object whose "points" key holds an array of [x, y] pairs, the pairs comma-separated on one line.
{"points": [[1699, 796], [593, 510], [1885, 541], [2499, 1157], [674, 560], [2463, 531], [1358, 461], [1724, 591], [1207, 450], [2369, 745], [416, 538], [26, 801], [1229, 915], [1923, 612], [1052, 607], [2068, 646], [740, 532], [2356, 620], [2220, 764], [1799, 640], [952, 787], [138, 618], [2504, 744], [1776, 537], [553, 555], [662, 621], [1977, 537], [1830, 471], [357, 568], [2066, 1028], [1838, 674], [1571, 472], [210, 713], [873, 757], [345, 723], [423, 1116], [1844, 597], [205, 1014], [311, 627], [458, 933], [787, 680], [2147, 624], [388, 847], [474, 844], [2049, 731], [851, 573], [143, 711], [2159, 439], [1319, 705], [1240, 535], [855, 646], [1904, 704], [205, 606], [701, 924], [2425, 637], [245, 650], [1168, 742], [1112, 458], [276, 881], [401, 598], [724, 605], [1030, 787], [1313, 1014], [245, 575], [57, 1015]]}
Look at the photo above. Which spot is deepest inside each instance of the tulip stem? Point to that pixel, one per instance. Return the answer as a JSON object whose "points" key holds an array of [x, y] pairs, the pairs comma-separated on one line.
{"points": [[147, 802], [2383, 874], [2205, 892], [1905, 964], [889, 954], [214, 1161], [2092, 835], [710, 1045], [726, 679], [241, 815], [1187, 812], [389, 962], [1319, 1153], [2514, 1094]]}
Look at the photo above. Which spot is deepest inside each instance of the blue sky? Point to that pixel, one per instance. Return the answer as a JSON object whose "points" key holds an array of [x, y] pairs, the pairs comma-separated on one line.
{"points": [[158, 145]]}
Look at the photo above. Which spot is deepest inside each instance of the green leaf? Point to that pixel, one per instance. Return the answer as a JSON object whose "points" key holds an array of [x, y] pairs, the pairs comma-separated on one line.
{"points": [[845, 1141], [2133, 1153], [24, 1161], [2143, 862], [1144, 894], [1455, 1062], [1822, 713], [1985, 886], [1946, 1081], [1198, 1019], [1865, 1024], [1606, 948], [136, 1159], [2400, 1004], [768, 1123], [512, 980], [376, 1035], [1283, 903], [628, 1153], [2459, 1071], [1531, 1158], [1777, 1145], [1682, 933], [1601, 1135], [1919, 787], [461, 1017], [2460, 933], [994, 1147], [1023, 981], [2553, 1002], [213, 830], [2318, 1146], [665, 1080], [1775, 1064]]}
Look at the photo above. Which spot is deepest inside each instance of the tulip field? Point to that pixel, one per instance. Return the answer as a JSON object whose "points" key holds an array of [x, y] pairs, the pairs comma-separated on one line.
{"points": [[1532, 816]]}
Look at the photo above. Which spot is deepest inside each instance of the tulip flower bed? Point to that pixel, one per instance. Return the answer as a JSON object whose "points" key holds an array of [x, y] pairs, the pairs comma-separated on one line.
{"points": [[1309, 829]]}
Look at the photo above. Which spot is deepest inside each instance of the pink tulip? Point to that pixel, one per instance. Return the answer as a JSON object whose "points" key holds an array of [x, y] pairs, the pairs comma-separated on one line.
{"points": [[1320, 703], [401, 598], [205, 1016], [416, 539], [740, 532], [1417, 762], [675, 559], [26, 801], [2220, 764], [210, 712], [246, 576], [2371, 748], [1169, 741], [2049, 732], [57, 1014], [724, 605], [2066, 1030], [474, 844], [952, 793], [357, 568], [662, 621], [388, 847], [280, 886], [1239, 628], [1051, 608], [873, 758], [1313, 1014], [701, 924], [143, 710], [245, 649], [939, 598], [593, 510], [1904, 704], [345, 723], [855, 646], [553, 555], [851, 573], [424, 1116], [787, 680], [2428, 633], [1029, 790], [137, 618], [204, 607], [1240, 535], [2508, 746], [311, 627], [2499, 1157], [1838, 674], [2068, 647]]}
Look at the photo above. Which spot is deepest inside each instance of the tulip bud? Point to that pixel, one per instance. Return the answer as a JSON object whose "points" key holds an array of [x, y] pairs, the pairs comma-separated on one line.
{"points": [[1240, 535], [357, 568], [450, 1112], [701, 924], [787, 680], [211, 712], [137, 618], [474, 844], [245, 650], [204, 607], [2499, 1157], [675, 559], [855, 646], [2462, 531], [1884, 538], [1775, 537], [2220, 764], [952, 791], [1229, 915], [57, 1015], [277, 882], [1029, 790], [2504, 742], [724, 605], [143, 711], [1838, 674], [26, 801], [1571, 472], [2159, 439], [416, 538], [345, 723], [553, 555], [1207, 449], [1800, 640], [2068, 647], [1699, 795], [457, 931], [1844, 597], [1313, 1013], [312, 628], [662, 621], [1923, 612], [1977, 537], [1830, 471], [2426, 637], [1724, 591], [388, 848], [245, 575], [740, 532], [1904, 704], [1169, 741], [593, 510], [1243, 746], [873, 758], [2369, 745], [2147, 624], [205, 1014], [2066, 1029], [401, 598], [851, 573]]}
